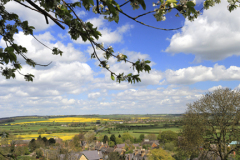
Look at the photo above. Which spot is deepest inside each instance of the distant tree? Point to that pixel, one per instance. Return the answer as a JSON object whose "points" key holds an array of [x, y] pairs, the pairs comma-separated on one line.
{"points": [[141, 137], [127, 136], [51, 141], [119, 136], [212, 123], [75, 144], [81, 136], [113, 138], [160, 154], [146, 146], [39, 138], [39, 153], [41, 131], [105, 138], [76, 141], [32, 145], [159, 136], [89, 136], [119, 140], [238, 155], [152, 137], [44, 139], [180, 155], [168, 136], [111, 144], [169, 146]]}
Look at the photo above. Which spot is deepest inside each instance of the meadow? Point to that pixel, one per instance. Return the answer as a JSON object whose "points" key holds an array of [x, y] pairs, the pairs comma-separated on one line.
{"points": [[66, 127]]}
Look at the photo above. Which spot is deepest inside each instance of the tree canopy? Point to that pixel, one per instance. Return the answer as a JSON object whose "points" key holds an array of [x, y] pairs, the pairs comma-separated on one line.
{"points": [[160, 154], [212, 123], [66, 16]]}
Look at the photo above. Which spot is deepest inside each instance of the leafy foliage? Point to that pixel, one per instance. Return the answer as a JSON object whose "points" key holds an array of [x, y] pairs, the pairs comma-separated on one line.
{"points": [[212, 121], [160, 154], [77, 28]]}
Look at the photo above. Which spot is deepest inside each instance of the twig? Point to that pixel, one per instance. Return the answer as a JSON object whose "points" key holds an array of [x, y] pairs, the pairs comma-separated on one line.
{"points": [[45, 13], [124, 4]]}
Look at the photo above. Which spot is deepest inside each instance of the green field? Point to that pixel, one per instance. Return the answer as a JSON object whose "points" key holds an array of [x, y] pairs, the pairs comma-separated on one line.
{"points": [[30, 130]]}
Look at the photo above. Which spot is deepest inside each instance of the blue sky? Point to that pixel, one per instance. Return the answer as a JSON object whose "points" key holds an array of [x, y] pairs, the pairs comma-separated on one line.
{"points": [[187, 63]]}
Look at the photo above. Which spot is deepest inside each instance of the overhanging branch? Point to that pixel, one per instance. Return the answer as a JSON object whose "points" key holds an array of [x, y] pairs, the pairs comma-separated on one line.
{"points": [[45, 13]]}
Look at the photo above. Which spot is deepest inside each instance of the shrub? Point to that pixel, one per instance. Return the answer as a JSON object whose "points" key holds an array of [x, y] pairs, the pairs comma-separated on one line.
{"points": [[169, 146]]}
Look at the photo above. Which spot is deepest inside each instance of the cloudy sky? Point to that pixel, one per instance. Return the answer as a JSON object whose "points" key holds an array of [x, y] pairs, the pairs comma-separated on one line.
{"points": [[187, 63]]}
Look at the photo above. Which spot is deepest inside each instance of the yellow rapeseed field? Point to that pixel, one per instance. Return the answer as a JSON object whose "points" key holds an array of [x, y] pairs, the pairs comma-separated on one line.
{"points": [[140, 117], [63, 136], [65, 120]]}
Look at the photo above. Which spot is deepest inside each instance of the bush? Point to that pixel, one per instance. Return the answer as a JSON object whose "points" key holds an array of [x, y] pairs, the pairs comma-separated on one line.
{"points": [[169, 146], [41, 131], [39, 153], [111, 144]]}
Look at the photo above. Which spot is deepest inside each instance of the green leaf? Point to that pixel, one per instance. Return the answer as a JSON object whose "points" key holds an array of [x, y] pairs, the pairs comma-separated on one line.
{"points": [[147, 61], [76, 4], [142, 4], [29, 77], [91, 1], [112, 77], [111, 8], [9, 49], [171, 1], [190, 4], [56, 51]]}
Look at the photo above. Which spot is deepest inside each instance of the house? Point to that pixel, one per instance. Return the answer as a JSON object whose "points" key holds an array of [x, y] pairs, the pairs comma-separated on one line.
{"points": [[136, 145], [122, 146], [20, 143], [119, 150], [153, 144], [84, 155], [91, 155], [58, 140], [106, 151], [100, 145], [139, 154]]}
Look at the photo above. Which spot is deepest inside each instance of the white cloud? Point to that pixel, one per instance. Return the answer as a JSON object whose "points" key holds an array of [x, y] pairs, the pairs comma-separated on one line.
{"points": [[34, 18], [43, 55], [81, 14], [108, 36], [94, 95], [214, 88], [201, 73], [215, 35]]}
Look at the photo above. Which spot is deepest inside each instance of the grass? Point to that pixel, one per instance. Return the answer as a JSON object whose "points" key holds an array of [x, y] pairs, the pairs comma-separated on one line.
{"points": [[136, 133], [27, 128]]}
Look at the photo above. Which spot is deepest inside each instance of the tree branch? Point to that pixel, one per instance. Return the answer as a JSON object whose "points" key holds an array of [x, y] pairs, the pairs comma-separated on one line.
{"points": [[55, 19], [124, 4], [45, 13], [144, 23]]}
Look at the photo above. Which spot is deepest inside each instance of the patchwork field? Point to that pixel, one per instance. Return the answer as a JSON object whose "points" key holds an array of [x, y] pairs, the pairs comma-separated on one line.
{"points": [[61, 120], [66, 127]]}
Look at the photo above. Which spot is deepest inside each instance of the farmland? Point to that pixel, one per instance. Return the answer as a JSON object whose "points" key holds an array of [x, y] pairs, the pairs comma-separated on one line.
{"points": [[65, 127]]}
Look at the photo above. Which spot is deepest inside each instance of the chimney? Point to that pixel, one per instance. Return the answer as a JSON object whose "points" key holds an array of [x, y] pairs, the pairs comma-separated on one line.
{"points": [[101, 143], [129, 157], [106, 142], [97, 142], [142, 152], [141, 147], [135, 152]]}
